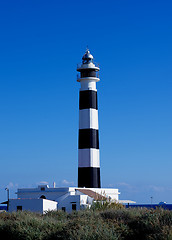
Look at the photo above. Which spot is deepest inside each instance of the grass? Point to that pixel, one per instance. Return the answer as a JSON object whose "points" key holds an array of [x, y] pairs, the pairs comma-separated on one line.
{"points": [[114, 222]]}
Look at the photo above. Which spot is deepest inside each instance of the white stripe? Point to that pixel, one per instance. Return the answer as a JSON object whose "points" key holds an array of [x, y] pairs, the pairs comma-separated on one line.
{"points": [[88, 118], [88, 85], [88, 158]]}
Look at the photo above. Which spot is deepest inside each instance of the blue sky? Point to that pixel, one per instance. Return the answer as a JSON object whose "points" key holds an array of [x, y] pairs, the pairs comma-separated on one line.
{"points": [[41, 42]]}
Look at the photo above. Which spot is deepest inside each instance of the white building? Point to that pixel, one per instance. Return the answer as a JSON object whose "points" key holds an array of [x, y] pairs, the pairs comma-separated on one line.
{"points": [[44, 198], [33, 205]]}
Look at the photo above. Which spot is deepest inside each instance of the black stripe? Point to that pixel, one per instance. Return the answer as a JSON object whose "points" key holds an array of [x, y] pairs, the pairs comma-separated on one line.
{"points": [[89, 177], [88, 138], [88, 99]]}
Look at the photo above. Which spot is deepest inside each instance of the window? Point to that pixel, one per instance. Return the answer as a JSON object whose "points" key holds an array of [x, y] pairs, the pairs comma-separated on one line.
{"points": [[74, 206], [64, 209], [43, 197], [42, 189], [19, 208]]}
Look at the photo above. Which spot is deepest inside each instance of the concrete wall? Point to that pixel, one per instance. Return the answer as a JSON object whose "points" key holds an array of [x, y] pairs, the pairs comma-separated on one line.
{"points": [[50, 193], [49, 205], [56, 193], [64, 196], [68, 201], [84, 199], [33, 205], [108, 192]]}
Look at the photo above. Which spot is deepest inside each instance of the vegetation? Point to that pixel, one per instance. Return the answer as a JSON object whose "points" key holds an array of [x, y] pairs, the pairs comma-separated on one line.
{"points": [[100, 222]]}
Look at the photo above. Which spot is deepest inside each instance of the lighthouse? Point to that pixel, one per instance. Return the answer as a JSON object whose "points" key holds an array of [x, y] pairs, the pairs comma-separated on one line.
{"points": [[88, 140], [45, 198]]}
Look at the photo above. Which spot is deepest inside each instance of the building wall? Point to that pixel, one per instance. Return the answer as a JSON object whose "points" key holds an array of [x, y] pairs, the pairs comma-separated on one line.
{"points": [[50, 193], [65, 196], [85, 199], [108, 192], [49, 205], [56, 194], [33, 205], [68, 201]]}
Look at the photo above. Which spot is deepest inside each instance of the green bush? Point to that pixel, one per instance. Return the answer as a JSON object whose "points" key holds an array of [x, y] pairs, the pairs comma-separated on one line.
{"points": [[111, 222], [102, 205]]}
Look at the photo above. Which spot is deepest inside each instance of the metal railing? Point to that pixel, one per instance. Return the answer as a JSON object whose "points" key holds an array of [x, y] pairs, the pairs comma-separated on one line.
{"points": [[79, 76]]}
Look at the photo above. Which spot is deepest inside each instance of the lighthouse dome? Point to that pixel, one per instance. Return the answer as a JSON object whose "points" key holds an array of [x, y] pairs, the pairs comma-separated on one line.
{"points": [[88, 63], [87, 57]]}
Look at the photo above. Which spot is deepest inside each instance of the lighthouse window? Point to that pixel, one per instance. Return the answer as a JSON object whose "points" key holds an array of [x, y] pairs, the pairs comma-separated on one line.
{"points": [[88, 74]]}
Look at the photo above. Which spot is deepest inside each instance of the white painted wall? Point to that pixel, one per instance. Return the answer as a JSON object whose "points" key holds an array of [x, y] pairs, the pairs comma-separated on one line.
{"points": [[88, 84], [58, 193], [50, 193], [67, 203], [64, 197], [88, 157], [107, 192], [33, 205], [49, 205], [88, 118]]}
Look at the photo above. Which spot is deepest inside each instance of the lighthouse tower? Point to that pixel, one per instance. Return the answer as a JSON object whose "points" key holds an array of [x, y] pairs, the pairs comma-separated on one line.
{"points": [[88, 144]]}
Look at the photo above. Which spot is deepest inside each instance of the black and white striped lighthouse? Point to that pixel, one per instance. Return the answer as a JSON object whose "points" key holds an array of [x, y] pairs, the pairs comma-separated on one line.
{"points": [[88, 144]]}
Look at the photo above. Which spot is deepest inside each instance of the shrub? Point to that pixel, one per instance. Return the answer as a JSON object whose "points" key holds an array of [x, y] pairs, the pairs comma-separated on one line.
{"points": [[103, 205], [101, 222]]}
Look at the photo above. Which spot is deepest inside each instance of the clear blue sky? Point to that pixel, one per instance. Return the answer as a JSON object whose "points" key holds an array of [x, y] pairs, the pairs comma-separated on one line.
{"points": [[40, 44]]}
